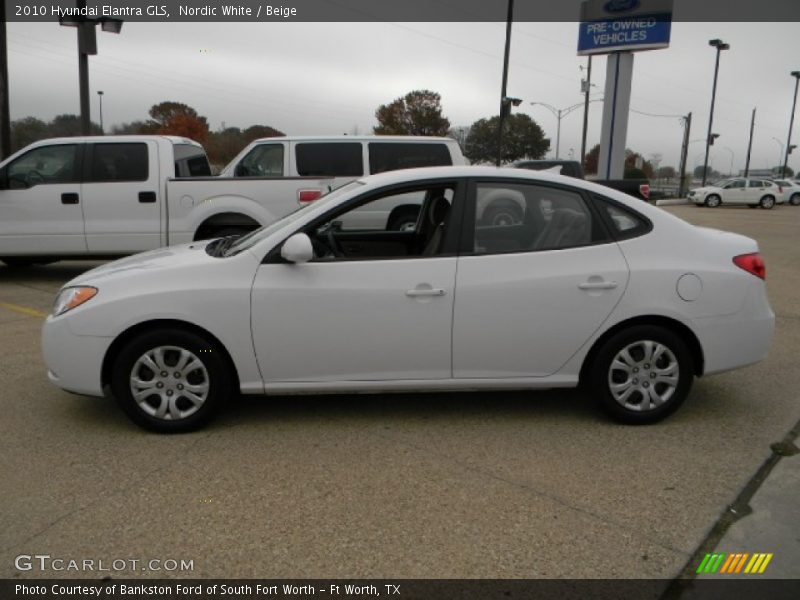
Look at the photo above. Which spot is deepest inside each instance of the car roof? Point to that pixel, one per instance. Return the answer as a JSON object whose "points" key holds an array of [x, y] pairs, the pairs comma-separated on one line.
{"points": [[174, 139]]}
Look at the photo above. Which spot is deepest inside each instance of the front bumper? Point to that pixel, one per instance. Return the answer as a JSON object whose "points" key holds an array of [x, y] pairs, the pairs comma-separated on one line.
{"points": [[74, 362]]}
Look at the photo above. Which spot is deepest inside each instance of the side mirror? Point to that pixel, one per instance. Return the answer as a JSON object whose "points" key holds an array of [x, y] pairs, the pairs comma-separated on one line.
{"points": [[297, 249]]}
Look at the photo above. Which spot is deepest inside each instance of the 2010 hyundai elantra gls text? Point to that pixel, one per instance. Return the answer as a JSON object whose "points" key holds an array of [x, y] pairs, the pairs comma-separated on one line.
{"points": [[579, 284]]}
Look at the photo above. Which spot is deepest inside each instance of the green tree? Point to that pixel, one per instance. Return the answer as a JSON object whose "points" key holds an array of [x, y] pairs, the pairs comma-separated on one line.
{"points": [[779, 170], [698, 173], [522, 138], [631, 171], [26, 131], [132, 128], [417, 113]]}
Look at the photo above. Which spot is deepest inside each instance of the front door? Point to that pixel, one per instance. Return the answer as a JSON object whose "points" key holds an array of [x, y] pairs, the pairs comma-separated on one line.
{"points": [[41, 210], [374, 304]]}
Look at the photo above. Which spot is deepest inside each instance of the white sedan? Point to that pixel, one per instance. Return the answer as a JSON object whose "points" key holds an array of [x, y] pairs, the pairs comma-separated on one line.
{"points": [[742, 191], [791, 190], [590, 286]]}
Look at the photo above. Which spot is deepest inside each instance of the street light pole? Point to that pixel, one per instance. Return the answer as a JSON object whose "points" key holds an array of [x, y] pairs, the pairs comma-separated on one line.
{"points": [[750, 144], [587, 91], [720, 46], [560, 113], [780, 143], [100, 96], [505, 105], [796, 75]]}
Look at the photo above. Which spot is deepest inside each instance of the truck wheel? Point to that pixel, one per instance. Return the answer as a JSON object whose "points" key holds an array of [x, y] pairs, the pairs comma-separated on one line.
{"points": [[795, 199], [767, 202], [713, 201], [170, 380], [642, 374]]}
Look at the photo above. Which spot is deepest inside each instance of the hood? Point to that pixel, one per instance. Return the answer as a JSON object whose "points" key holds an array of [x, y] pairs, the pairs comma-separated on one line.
{"points": [[152, 260]]}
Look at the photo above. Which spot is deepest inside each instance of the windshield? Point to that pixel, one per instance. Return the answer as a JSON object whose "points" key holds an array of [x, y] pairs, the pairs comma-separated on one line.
{"points": [[721, 183], [254, 237]]}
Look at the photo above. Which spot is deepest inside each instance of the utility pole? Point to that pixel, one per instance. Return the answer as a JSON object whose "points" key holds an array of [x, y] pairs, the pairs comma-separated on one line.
{"points": [[750, 144], [505, 104], [5, 118], [687, 127], [789, 147], [586, 110], [720, 46]]}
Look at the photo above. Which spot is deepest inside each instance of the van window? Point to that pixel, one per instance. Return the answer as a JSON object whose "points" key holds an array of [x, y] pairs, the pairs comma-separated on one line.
{"points": [[119, 162], [389, 156], [334, 159], [265, 160]]}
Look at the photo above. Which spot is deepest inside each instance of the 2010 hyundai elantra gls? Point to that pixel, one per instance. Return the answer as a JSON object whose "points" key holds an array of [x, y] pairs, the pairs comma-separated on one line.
{"points": [[580, 285]]}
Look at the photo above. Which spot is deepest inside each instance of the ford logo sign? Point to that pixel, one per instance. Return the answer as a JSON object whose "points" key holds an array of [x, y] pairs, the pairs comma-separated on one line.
{"points": [[616, 6]]}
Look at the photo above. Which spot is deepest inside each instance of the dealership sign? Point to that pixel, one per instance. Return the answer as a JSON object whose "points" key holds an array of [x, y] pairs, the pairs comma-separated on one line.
{"points": [[619, 25]]}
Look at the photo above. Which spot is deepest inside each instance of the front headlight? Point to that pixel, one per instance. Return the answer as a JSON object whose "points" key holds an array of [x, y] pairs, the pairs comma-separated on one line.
{"points": [[70, 297]]}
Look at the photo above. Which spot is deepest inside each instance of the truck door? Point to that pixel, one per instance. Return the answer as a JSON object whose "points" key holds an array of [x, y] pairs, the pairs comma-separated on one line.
{"points": [[40, 203], [122, 197]]}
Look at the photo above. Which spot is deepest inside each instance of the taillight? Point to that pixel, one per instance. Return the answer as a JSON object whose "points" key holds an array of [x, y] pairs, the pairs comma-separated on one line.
{"points": [[752, 263], [644, 190], [306, 196]]}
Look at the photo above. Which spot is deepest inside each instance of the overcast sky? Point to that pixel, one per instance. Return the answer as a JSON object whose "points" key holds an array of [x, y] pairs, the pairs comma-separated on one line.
{"points": [[318, 78]]}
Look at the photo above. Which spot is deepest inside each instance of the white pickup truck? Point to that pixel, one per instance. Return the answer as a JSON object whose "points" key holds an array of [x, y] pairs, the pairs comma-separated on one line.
{"points": [[114, 195]]}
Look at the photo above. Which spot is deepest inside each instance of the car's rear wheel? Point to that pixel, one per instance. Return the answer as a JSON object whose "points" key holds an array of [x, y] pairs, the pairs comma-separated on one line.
{"points": [[767, 202], [794, 200], [713, 201], [170, 380], [642, 374]]}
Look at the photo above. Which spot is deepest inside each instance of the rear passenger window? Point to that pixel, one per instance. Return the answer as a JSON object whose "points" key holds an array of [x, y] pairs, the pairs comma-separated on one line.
{"points": [[119, 162], [532, 217], [265, 160], [388, 156], [337, 159], [624, 223]]}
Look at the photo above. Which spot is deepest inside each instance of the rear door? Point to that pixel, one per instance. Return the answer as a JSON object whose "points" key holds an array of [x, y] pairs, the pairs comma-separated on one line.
{"points": [[121, 197], [530, 294], [40, 203]]}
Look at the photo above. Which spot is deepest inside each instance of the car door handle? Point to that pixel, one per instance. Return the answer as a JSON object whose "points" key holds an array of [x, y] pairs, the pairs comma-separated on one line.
{"points": [[598, 285], [147, 197], [69, 198], [424, 292]]}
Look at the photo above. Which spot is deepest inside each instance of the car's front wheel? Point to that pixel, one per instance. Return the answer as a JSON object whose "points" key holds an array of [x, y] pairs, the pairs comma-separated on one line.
{"points": [[170, 380], [642, 374], [713, 201]]}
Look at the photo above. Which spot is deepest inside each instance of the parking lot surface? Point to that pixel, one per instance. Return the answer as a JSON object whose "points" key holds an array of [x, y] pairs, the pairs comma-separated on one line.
{"points": [[500, 485]]}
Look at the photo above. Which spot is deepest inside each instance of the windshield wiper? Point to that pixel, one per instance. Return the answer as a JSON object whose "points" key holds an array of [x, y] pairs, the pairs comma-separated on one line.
{"points": [[219, 246]]}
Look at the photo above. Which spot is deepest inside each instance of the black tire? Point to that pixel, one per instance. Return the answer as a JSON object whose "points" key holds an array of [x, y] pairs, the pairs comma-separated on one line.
{"points": [[502, 215], [217, 378], [794, 200], [767, 202], [601, 374], [712, 201]]}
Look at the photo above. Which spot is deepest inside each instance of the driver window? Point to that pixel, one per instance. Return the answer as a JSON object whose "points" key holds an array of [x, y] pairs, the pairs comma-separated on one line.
{"points": [[48, 164], [406, 224], [735, 185]]}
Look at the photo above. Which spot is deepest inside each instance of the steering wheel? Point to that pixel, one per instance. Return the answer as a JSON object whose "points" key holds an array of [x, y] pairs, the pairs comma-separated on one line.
{"points": [[33, 177], [331, 245]]}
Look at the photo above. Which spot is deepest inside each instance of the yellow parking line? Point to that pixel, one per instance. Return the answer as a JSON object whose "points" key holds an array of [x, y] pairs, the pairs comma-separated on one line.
{"points": [[31, 312]]}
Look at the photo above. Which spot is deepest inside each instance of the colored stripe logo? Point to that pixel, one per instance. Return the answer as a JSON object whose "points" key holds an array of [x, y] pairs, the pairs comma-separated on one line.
{"points": [[737, 562]]}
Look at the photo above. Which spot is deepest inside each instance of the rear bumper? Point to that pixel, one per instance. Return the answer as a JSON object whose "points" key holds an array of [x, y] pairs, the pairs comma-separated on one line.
{"points": [[740, 339], [74, 362]]}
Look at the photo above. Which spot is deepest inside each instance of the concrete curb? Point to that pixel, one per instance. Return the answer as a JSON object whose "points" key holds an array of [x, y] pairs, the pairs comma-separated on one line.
{"points": [[672, 201]]}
